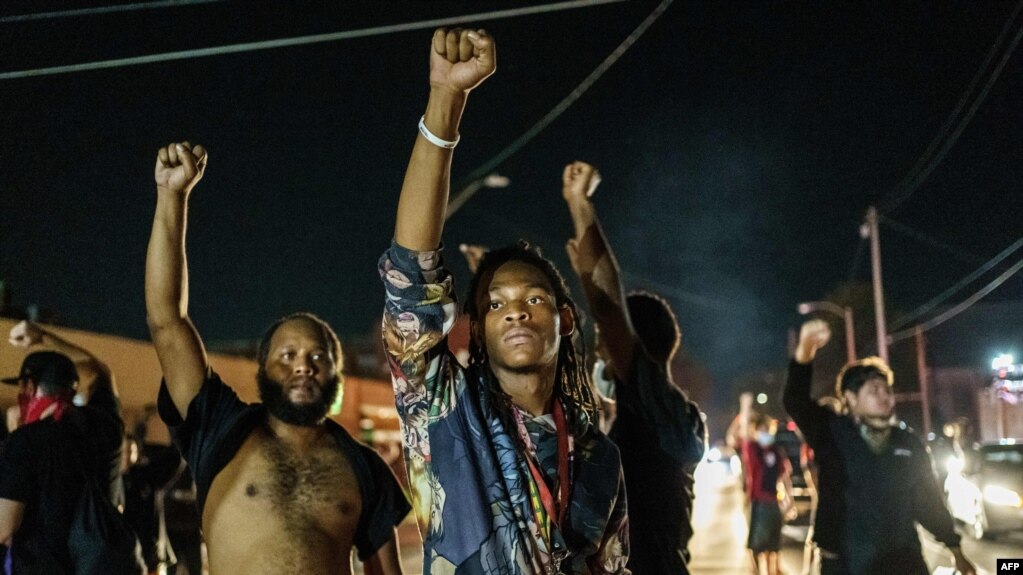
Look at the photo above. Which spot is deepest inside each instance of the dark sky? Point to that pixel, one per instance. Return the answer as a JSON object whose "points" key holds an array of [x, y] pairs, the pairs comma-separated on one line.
{"points": [[740, 145]]}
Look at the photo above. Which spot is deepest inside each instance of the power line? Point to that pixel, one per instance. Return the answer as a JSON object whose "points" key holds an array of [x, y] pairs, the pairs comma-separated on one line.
{"points": [[531, 133], [940, 319], [103, 10], [923, 238], [958, 286], [912, 181], [301, 40]]}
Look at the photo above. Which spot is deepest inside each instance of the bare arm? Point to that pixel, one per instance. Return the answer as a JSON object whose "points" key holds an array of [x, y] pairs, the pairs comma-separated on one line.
{"points": [[595, 264], [92, 371], [745, 414], [11, 514], [178, 346], [459, 61], [385, 561]]}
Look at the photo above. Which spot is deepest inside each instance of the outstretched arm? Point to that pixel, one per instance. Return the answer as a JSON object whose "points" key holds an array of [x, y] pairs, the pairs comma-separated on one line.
{"points": [[93, 373], [178, 346], [810, 417], [595, 264], [459, 61]]}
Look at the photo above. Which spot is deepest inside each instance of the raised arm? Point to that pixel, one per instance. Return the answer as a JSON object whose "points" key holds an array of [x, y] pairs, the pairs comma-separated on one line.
{"points": [[595, 264], [459, 61], [810, 417], [95, 377], [178, 346]]}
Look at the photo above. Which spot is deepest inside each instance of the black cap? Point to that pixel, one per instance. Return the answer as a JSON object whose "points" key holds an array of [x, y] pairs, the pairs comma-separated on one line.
{"points": [[49, 367]]}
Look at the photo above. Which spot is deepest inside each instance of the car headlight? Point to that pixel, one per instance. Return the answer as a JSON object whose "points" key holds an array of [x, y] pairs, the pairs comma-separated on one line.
{"points": [[996, 495]]}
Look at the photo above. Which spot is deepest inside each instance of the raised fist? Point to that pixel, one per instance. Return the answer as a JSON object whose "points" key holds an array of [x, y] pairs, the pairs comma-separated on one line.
{"points": [[746, 400], [812, 336], [25, 334], [461, 59], [473, 254], [579, 181], [179, 167]]}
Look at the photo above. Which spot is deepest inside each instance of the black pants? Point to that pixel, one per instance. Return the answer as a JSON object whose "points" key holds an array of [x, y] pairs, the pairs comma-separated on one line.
{"points": [[910, 564]]}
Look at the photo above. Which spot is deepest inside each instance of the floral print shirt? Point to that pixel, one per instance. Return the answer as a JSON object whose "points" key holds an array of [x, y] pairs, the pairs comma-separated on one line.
{"points": [[470, 482]]}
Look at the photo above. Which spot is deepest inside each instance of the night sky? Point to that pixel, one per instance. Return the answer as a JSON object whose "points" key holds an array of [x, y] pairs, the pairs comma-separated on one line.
{"points": [[740, 145]]}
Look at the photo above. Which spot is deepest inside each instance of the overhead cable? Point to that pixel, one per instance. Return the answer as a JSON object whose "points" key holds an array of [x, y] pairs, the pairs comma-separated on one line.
{"points": [[958, 286], [491, 164], [940, 319], [944, 141], [102, 10], [301, 40], [923, 238]]}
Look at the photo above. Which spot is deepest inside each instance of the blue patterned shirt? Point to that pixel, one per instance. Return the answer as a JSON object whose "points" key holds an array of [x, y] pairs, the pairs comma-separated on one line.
{"points": [[470, 482]]}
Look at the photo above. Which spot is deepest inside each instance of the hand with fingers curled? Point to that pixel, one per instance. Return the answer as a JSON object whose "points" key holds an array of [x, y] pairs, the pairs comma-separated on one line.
{"points": [[579, 181], [25, 334], [179, 167], [460, 59], [473, 255], [814, 335]]}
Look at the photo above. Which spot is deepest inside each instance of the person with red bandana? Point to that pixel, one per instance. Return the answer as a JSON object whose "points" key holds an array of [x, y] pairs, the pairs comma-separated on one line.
{"points": [[46, 459]]}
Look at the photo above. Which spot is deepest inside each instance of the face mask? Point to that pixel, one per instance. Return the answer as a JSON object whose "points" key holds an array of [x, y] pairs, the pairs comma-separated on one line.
{"points": [[605, 386], [765, 439]]}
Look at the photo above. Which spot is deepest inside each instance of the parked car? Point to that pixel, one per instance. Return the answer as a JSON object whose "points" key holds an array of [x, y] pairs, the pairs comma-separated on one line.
{"points": [[985, 491]]}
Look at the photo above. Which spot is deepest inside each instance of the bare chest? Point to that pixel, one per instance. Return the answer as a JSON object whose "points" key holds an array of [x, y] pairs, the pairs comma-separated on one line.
{"points": [[271, 486]]}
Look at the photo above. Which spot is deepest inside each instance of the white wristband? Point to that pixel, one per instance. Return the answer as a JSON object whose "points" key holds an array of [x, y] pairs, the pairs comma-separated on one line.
{"points": [[433, 139]]}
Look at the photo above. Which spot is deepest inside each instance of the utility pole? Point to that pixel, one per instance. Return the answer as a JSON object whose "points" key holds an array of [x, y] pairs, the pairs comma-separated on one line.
{"points": [[870, 229], [921, 368]]}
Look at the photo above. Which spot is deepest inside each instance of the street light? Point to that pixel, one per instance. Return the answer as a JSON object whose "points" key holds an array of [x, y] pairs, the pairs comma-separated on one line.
{"points": [[492, 180], [843, 312]]}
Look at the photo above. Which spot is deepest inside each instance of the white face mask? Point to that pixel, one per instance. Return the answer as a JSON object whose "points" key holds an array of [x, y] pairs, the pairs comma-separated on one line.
{"points": [[605, 385], [765, 439], [78, 400]]}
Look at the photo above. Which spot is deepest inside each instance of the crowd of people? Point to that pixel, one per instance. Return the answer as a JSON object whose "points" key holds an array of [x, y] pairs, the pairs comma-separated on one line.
{"points": [[516, 462]]}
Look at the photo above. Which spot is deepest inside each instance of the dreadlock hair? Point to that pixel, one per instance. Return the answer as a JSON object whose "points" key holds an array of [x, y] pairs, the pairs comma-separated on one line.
{"points": [[572, 384], [655, 324], [333, 343]]}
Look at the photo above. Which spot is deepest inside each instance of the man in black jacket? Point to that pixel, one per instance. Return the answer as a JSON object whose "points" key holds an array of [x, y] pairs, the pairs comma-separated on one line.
{"points": [[876, 480]]}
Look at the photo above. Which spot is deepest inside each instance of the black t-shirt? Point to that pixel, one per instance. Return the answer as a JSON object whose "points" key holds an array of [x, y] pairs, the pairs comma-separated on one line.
{"points": [[217, 425], [42, 467], [661, 436]]}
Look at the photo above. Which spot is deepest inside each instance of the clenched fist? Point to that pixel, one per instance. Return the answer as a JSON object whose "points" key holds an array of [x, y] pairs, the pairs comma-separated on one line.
{"points": [[579, 181], [25, 334], [812, 336], [179, 167], [461, 59]]}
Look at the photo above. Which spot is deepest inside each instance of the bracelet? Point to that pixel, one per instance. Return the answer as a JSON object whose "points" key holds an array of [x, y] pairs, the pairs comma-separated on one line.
{"points": [[433, 139]]}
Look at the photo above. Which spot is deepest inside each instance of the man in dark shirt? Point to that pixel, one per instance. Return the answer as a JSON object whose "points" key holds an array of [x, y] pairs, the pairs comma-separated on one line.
{"points": [[875, 480], [281, 488], [660, 433], [46, 461]]}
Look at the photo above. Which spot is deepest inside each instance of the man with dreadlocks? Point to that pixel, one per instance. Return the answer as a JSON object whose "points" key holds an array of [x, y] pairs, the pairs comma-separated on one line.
{"points": [[659, 431], [509, 472]]}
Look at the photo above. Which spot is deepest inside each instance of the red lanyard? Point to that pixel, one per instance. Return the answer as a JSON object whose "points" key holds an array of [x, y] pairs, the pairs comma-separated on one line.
{"points": [[556, 509]]}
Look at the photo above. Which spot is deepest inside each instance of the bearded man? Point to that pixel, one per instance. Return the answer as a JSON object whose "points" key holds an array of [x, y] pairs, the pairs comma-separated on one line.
{"points": [[281, 488]]}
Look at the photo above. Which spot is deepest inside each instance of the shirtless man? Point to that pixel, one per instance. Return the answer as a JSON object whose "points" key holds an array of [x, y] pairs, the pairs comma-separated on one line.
{"points": [[281, 488]]}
